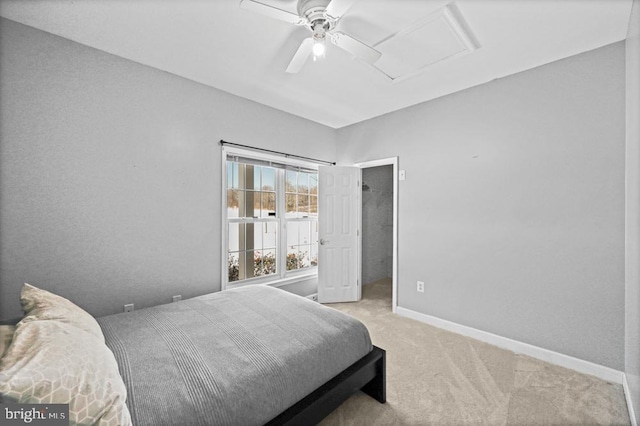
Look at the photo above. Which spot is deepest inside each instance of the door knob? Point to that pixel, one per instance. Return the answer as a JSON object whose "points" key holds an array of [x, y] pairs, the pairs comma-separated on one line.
{"points": [[322, 241]]}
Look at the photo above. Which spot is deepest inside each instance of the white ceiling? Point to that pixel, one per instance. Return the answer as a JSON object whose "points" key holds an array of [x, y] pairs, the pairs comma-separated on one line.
{"points": [[216, 43]]}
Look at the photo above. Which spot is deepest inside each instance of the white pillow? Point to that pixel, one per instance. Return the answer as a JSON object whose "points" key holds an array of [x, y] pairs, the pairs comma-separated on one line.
{"points": [[56, 362], [40, 304]]}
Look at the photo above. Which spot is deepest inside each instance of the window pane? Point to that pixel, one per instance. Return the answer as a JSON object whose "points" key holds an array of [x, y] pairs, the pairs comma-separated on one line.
{"points": [[292, 233], [303, 256], [257, 200], [303, 205], [238, 263], [232, 174], [269, 235], [234, 267], [234, 236], [313, 206], [290, 202], [297, 257], [264, 262], [303, 183], [292, 258], [268, 204], [290, 184], [304, 231], [253, 236], [250, 171], [313, 184], [268, 179], [257, 263], [250, 204], [235, 203], [256, 177], [249, 265], [240, 176], [268, 262]]}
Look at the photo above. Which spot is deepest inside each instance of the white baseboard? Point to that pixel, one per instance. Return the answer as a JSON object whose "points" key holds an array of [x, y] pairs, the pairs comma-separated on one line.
{"points": [[627, 395], [582, 366]]}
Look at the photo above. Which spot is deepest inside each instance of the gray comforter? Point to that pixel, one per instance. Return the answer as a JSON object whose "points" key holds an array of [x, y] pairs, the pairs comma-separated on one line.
{"points": [[238, 357]]}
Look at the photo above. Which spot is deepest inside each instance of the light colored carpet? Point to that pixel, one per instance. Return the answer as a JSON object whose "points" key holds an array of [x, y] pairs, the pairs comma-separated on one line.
{"points": [[435, 377]]}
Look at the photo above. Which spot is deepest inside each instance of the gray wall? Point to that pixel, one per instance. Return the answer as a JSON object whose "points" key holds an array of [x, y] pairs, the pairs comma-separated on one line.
{"points": [[512, 211], [110, 173], [377, 223], [632, 296]]}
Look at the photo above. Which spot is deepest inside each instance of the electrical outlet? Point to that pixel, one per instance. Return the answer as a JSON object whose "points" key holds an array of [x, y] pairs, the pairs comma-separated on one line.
{"points": [[128, 308], [420, 286], [176, 298]]}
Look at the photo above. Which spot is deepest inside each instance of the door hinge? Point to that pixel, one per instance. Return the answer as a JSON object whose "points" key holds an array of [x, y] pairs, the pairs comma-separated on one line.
{"points": [[357, 183], [358, 233]]}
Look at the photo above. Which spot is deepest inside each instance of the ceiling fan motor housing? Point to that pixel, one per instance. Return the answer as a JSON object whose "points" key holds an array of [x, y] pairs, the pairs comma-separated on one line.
{"points": [[314, 11]]}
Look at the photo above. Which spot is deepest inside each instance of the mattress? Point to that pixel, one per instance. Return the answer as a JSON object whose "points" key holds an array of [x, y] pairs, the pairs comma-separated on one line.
{"points": [[238, 357]]}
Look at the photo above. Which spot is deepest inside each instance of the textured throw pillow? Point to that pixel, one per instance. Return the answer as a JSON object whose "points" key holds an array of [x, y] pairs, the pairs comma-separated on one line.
{"points": [[40, 304], [6, 335], [55, 362]]}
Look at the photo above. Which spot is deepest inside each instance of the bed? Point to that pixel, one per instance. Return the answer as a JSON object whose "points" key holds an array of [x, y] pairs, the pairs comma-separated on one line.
{"points": [[249, 356]]}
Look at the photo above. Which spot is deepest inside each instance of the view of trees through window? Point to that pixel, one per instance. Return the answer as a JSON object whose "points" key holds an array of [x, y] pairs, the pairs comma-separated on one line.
{"points": [[256, 227]]}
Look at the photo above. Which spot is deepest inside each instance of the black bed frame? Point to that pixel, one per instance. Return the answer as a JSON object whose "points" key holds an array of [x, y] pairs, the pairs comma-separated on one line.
{"points": [[366, 374]]}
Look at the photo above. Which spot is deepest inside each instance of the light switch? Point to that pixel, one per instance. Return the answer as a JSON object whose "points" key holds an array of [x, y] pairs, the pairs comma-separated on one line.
{"points": [[402, 175]]}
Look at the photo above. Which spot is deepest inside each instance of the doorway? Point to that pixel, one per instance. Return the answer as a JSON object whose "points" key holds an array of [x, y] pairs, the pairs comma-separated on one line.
{"points": [[378, 216]]}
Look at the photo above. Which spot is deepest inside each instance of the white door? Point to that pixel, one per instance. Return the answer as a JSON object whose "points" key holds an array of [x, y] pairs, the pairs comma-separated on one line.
{"points": [[339, 197]]}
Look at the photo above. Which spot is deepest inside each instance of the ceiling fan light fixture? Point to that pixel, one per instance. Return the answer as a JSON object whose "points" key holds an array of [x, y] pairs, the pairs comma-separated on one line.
{"points": [[319, 49], [319, 28]]}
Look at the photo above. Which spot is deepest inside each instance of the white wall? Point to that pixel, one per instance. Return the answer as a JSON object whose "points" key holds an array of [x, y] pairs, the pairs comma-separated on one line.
{"points": [[512, 211], [110, 173], [632, 296]]}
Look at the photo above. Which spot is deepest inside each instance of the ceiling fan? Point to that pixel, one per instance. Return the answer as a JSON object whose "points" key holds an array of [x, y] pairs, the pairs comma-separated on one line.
{"points": [[321, 18]]}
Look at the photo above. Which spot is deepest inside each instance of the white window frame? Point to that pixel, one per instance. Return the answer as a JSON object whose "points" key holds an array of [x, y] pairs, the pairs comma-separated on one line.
{"points": [[282, 276]]}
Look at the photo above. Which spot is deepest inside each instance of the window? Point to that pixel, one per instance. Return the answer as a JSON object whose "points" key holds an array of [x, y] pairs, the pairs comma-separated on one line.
{"points": [[271, 219]]}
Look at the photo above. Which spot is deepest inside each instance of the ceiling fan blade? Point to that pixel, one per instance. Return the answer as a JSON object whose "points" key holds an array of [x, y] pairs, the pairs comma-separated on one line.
{"points": [[337, 8], [355, 47], [301, 56], [271, 12]]}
